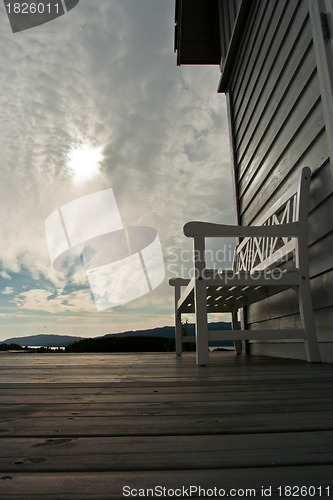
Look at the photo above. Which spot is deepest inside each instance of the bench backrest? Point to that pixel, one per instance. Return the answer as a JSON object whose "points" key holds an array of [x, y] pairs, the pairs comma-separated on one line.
{"points": [[258, 253]]}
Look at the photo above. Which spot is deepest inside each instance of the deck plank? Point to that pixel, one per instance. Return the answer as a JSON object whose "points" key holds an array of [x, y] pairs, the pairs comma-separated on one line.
{"points": [[164, 453], [84, 426], [167, 425], [109, 485]]}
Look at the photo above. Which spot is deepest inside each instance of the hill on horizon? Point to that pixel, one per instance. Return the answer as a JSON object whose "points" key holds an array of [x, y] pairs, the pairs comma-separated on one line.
{"points": [[168, 331], [44, 340], [55, 340]]}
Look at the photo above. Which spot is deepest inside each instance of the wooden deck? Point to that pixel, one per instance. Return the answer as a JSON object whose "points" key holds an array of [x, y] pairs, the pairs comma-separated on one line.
{"points": [[85, 426]]}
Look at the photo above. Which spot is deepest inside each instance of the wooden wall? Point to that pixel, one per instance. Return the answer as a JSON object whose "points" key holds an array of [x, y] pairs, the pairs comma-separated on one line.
{"points": [[277, 127], [228, 14]]}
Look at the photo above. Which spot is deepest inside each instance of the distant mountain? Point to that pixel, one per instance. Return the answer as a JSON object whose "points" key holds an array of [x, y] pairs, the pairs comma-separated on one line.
{"points": [[129, 343], [168, 331], [49, 340], [165, 331], [53, 340], [153, 340]]}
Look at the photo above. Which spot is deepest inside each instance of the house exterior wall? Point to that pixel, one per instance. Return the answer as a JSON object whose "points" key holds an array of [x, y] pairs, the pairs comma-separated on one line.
{"points": [[228, 14], [277, 126]]}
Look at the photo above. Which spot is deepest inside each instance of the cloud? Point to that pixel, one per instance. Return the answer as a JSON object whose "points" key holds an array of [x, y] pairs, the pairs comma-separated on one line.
{"points": [[106, 74], [8, 291], [6, 315], [158, 128], [5, 275], [40, 300]]}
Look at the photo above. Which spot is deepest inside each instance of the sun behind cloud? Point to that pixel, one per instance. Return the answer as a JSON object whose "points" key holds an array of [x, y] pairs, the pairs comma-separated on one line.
{"points": [[84, 161]]}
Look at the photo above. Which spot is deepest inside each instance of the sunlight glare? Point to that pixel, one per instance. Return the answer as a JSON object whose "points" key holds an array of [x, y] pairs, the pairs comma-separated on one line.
{"points": [[84, 161]]}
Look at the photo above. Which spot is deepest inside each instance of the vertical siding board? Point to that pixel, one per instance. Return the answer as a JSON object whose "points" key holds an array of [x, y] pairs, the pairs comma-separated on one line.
{"points": [[290, 121], [277, 71], [225, 18], [237, 4], [227, 22], [322, 181], [321, 223], [271, 37], [308, 150], [279, 90], [233, 157], [223, 43], [254, 52], [286, 150], [279, 116], [324, 59], [228, 13], [232, 14], [242, 62], [232, 17], [321, 263]]}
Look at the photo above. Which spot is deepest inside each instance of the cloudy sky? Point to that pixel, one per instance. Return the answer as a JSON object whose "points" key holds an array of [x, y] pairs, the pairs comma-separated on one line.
{"points": [[103, 78]]}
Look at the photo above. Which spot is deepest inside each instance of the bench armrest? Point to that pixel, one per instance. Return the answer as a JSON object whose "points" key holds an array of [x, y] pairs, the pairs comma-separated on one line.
{"points": [[179, 281], [211, 230]]}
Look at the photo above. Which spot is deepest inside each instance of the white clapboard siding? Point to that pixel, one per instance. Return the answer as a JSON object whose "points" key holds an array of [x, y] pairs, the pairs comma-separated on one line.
{"points": [[277, 127]]}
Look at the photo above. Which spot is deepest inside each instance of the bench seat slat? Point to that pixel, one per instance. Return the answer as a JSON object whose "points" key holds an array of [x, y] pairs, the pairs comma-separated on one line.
{"points": [[231, 300], [243, 279], [243, 298], [237, 290]]}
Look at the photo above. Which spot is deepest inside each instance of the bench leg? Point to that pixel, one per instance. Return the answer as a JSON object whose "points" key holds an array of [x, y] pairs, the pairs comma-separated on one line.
{"points": [[200, 302], [201, 327], [179, 342], [237, 343], [178, 324], [307, 319]]}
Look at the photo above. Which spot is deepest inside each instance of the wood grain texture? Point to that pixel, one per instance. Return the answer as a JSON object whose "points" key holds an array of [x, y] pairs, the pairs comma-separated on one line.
{"points": [[83, 426]]}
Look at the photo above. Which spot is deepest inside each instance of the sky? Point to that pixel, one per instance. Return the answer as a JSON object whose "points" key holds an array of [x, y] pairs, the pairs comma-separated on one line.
{"points": [[101, 86]]}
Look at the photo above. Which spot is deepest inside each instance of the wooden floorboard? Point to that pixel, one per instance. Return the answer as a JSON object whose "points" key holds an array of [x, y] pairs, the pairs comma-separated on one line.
{"points": [[163, 453], [85, 426]]}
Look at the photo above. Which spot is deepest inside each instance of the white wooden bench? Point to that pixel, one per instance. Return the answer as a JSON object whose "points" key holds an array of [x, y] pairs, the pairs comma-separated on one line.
{"points": [[271, 256]]}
